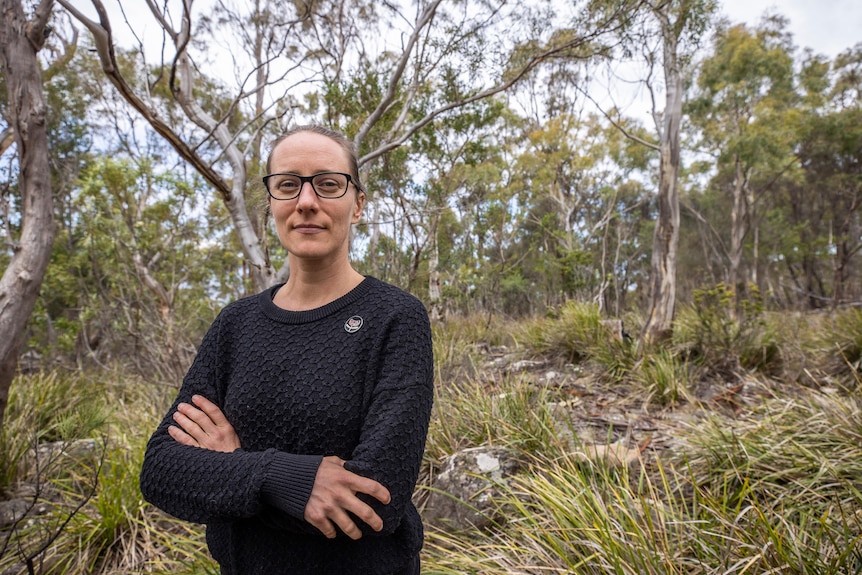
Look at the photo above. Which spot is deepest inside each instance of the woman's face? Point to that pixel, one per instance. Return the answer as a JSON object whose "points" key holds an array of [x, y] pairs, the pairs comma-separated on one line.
{"points": [[311, 228]]}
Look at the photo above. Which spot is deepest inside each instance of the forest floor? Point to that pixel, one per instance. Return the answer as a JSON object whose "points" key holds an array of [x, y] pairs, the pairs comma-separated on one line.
{"points": [[618, 416]]}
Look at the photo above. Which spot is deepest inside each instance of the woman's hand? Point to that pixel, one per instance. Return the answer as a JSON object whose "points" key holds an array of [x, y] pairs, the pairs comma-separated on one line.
{"points": [[203, 425], [334, 495]]}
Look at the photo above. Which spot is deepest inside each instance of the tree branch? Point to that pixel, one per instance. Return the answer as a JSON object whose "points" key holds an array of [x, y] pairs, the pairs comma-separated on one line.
{"points": [[397, 73], [37, 29], [103, 40]]}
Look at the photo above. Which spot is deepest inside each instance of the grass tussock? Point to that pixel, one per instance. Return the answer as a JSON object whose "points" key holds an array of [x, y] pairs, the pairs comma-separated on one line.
{"points": [[577, 333], [510, 413]]}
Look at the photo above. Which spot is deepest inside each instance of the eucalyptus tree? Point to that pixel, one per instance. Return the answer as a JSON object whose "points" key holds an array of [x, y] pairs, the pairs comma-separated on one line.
{"points": [[21, 39], [744, 112], [666, 35], [585, 194], [146, 265], [295, 61], [681, 24], [829, 191], [464, 161], [837, 170]]}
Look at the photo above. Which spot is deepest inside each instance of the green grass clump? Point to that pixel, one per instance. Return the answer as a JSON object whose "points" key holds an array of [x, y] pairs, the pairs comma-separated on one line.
{"points": [[45, 407], [577, 333], [509, 413], [839, 347], [665, 377], [572, 332]]}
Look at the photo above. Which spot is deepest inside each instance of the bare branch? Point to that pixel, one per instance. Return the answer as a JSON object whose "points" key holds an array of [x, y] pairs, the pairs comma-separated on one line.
{"points": [[37, 28], [181, 41], [103, 39], [397, 73], [166, 26], [616, 124]]}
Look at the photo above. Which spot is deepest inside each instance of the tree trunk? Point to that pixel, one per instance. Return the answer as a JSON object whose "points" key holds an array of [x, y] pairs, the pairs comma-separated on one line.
{"points": [[435, 300], [20, 40], [738, 217], [666, 237]]}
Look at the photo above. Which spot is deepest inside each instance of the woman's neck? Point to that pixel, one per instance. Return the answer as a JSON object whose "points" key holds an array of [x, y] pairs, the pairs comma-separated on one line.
{"points": [[310, 289]]}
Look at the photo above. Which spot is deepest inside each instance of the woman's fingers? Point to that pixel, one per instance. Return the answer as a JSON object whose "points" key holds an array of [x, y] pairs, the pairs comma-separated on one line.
{"points": [[372, 488], [215, 415], [181, 436], [188, 424], [204, 425], [334, 497]]}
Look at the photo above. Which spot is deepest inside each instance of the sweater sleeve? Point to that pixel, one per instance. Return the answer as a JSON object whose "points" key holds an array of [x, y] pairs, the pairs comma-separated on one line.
{"points": [[198, 484], [392, 440]]}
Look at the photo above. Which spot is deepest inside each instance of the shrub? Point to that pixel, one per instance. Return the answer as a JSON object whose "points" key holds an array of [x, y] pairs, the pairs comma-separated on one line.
{"points": [[724, 337]]}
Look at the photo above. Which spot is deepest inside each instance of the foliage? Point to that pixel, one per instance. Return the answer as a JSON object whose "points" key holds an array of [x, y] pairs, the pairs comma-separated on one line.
{"points": [[665, 377], [98, 522], [838, 345], [129, 271], [507, 413], [577, 333], [724, 338], [572, 331]]}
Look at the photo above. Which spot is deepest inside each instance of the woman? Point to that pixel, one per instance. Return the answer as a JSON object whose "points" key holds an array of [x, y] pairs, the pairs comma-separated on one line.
{"points": [[299, 429]]}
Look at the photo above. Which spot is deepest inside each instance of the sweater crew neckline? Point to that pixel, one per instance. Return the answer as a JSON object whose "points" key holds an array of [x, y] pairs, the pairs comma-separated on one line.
{"points": [[272, 311]]}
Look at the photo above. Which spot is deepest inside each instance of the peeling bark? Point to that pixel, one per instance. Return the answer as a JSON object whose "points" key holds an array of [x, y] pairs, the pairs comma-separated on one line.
{"points": [[20, 41]]}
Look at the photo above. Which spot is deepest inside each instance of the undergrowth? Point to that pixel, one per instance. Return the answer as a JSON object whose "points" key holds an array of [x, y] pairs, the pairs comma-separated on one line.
{"points": [[772, 487]]}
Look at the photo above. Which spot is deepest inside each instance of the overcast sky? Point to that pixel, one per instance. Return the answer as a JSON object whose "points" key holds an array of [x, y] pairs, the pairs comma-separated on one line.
{"points": [[827, 26]]}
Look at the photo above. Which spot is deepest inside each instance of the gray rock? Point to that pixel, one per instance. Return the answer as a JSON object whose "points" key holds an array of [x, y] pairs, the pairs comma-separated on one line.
{"points": [[463, 492], [13, 510]]}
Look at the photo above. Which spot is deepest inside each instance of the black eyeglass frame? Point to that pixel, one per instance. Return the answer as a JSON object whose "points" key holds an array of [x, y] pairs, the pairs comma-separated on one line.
{"points": [[310, 180]]}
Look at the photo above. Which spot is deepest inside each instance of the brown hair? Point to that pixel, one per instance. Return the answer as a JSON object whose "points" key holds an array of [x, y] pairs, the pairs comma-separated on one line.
{"points": [[337, 137]]}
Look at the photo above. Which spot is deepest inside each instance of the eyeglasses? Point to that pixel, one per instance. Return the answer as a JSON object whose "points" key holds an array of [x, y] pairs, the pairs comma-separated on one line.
{"points": [[327, 185]]}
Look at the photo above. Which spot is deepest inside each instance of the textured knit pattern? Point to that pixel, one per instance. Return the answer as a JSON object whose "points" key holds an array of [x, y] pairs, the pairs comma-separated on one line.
{"points": [[353, 379]]}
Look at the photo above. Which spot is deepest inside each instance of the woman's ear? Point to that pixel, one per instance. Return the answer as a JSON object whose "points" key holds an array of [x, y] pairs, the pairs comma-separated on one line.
{"points": [[357, 207]]}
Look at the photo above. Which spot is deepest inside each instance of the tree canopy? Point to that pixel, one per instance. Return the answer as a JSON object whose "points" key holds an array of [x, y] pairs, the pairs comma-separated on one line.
{"points": [[502, 178]]}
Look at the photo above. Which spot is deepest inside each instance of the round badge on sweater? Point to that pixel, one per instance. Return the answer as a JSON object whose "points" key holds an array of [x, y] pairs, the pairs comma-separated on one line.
{"points": [[353, 324]]}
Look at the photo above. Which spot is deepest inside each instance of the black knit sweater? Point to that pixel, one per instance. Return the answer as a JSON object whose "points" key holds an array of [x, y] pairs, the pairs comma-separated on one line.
{"points": [[353, 379]]}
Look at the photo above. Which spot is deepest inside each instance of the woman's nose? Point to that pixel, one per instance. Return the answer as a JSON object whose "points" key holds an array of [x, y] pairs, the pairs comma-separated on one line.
{"points": [[307, 196]]}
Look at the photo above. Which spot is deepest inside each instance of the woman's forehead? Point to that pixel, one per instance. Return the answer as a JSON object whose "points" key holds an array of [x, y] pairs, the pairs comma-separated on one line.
{"points": [[308, 144]]}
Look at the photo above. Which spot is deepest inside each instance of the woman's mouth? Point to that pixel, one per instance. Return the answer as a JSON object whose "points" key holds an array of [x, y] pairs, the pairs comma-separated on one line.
{"points": [[308, 229]]}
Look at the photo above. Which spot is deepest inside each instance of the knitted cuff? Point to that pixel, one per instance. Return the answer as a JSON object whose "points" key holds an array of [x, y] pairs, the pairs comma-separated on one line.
{"points": [[289, 480]]}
